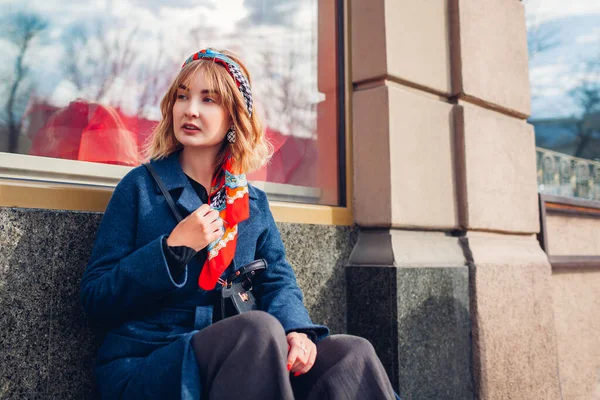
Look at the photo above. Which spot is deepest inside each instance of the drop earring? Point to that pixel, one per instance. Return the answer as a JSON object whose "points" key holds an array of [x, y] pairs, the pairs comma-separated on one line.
{"points": [[231, 134]]}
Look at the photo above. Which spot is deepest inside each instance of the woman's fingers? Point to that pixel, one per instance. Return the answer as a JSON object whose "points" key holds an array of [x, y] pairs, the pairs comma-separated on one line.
{"points": [[311, 360], [198, 229], [294, 349], [218, 228], [212, 222], [293, 357], [303, 362], [300, 356], [203, 210], [213, 215]]}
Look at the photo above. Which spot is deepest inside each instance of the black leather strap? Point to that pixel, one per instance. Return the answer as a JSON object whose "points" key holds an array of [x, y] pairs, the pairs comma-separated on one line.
{"points": [[251, 268], [164, 191]]}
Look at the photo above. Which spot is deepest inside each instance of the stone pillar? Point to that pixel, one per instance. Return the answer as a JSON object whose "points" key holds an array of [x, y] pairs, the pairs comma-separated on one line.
{"points": [[445, 199], [514, 343], [407, 279]]}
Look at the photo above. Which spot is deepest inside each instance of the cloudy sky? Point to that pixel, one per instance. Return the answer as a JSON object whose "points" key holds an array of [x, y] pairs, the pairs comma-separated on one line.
{"points": [[570, 35], [546, 10]]}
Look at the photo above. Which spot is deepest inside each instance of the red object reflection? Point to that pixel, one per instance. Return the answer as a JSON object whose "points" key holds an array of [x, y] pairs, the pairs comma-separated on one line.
{"points": [[86, 132], [99, 133]]}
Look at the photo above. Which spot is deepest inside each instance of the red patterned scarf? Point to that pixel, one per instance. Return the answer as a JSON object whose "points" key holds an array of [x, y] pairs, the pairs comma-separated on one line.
{"points": [[229, 196]]}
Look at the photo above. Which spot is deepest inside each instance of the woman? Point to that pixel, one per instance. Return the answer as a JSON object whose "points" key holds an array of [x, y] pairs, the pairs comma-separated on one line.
{"points": [[151, 282]]}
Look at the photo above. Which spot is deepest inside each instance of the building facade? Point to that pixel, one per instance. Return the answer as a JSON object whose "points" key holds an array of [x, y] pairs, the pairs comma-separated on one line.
{"points": [[405, 184]]}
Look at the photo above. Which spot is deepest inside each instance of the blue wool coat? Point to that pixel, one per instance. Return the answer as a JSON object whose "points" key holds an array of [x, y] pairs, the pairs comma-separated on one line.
{"points": [[128, 291]]}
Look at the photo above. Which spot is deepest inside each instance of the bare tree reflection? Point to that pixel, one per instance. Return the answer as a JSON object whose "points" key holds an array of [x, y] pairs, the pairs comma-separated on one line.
{"points": [[98, 57], [20, 29], [101, 55], [154, 80], [288, 90], [587, 97], [539, 38]]}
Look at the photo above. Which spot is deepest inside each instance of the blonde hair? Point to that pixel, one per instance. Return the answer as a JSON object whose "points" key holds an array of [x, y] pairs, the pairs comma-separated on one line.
{"points": [[251, 149]]}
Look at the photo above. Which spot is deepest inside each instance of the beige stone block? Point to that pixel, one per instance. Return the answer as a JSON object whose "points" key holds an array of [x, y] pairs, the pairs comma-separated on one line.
{"points": [[489, 56], [497, 177], [576, 297], [514, 344], [403, 39], [368, 39], [371, 157], [578, 236], [420, 249], [403, 159]]}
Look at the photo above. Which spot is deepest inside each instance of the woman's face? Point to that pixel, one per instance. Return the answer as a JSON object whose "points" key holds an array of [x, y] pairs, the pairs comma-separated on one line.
{"points": [[199, 120]]}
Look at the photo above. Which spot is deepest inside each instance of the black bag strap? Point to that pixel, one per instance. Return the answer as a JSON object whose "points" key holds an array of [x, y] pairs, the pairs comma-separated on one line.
{"points": [[250, 269], [164, 191]]}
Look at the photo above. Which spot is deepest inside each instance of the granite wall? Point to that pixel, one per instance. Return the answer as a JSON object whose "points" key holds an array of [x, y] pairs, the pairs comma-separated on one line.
{"points": [[46, 347]]}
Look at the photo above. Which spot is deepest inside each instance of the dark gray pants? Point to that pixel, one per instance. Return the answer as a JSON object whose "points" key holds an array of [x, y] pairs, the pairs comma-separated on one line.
{"points": [[245, 357]]}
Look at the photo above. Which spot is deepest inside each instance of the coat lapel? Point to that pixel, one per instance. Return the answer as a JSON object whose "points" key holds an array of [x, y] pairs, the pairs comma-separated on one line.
{"points": [[189, 200], [174, 178]]}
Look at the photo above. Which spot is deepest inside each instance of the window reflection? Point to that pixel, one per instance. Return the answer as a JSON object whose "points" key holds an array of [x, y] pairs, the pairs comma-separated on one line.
{"points": [[83, 80]]}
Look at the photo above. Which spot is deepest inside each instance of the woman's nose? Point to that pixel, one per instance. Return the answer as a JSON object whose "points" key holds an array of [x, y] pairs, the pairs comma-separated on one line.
{"points": [[192, 110]]}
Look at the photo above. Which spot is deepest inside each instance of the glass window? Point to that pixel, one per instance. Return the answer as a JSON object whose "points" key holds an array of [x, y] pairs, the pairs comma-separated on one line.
{"points": [[82, 80], [564, 61]]}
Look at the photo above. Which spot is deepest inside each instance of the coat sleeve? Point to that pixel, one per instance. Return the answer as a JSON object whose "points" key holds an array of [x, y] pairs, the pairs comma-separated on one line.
{"points": [[121, 279], [278, 291]]}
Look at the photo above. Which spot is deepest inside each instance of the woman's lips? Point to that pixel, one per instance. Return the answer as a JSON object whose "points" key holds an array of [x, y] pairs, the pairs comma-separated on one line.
{"points": [[190, 129]]}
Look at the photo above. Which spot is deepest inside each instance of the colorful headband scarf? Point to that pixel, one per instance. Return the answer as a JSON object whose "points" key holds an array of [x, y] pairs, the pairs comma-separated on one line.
{"points": [[228, 192], [232, 67]]}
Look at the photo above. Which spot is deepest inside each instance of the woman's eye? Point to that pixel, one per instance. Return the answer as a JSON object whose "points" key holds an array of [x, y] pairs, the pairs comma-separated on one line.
{"points": [[181, 97], [209, 100]]}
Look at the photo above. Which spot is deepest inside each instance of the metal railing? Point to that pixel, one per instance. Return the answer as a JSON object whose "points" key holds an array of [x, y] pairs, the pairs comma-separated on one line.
{"points": [[564, 175]]}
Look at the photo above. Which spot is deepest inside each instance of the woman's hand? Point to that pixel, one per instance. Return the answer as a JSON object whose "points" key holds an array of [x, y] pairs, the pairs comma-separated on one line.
{"points": [[302, 353], [198, 229]]}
